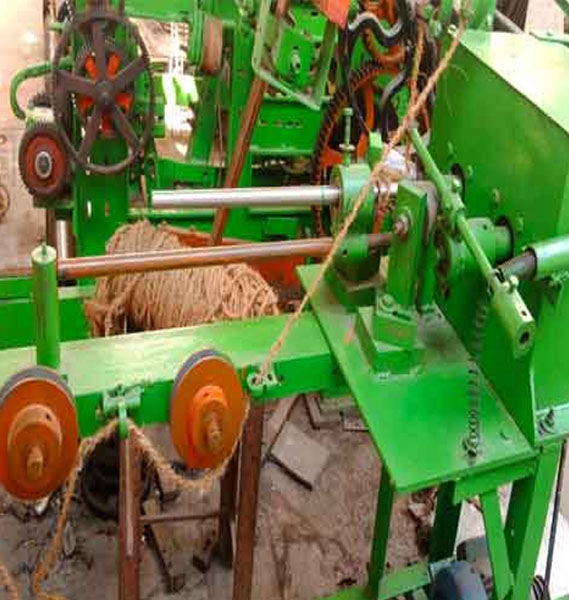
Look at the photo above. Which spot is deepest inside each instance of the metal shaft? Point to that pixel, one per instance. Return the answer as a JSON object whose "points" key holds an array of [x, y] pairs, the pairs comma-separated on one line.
{"points": [[46, 303], [116, 264], [299, 195]]}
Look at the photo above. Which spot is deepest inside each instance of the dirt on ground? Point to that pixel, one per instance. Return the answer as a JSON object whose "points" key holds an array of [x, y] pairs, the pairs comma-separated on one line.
{"points": [[309, 543]]}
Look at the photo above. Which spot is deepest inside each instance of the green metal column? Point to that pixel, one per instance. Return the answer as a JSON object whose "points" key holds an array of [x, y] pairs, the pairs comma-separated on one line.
{"points": [[46, 303], [443, 536], [526, 520], [380, 534], [496, 540]]}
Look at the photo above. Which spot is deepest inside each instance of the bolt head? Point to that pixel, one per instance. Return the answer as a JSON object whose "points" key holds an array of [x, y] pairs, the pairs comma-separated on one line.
{"points": [[43, 164]]}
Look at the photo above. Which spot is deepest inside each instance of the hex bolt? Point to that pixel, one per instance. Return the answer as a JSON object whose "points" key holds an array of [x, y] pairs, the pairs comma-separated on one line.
{"points": [[43, 164], [35, 463]]}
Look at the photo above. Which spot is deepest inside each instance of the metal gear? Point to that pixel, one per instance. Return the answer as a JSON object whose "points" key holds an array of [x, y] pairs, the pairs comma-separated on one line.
{"points": [[93, 27], [85, 66], [43, 161], [325, 156]]}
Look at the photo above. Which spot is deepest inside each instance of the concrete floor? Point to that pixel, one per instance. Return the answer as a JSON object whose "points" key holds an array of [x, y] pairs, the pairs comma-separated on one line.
{"points": [[308, 544]]}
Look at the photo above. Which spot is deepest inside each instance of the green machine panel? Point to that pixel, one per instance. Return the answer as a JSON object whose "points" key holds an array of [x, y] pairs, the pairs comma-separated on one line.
{"points": [[513, 165]]}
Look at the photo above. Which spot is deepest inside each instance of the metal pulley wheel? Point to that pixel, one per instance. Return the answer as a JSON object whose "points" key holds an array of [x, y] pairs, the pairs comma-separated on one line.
{"points": [[101, 89], [39, 434], [42, 161], [207, 408]]}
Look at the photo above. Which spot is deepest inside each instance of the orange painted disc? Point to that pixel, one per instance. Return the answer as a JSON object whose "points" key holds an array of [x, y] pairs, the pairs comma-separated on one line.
{"points": [[39, 435], [207, 408]]}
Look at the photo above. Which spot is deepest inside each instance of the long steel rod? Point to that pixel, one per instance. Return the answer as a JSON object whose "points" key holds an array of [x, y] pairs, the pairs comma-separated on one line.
{"points": [[298, 195], [143, 262], [166, 260]]}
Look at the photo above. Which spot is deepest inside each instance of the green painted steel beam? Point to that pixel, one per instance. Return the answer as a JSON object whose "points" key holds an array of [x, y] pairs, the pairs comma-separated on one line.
{"points": [[151, 361], [392, 585], [447, 516], [17, 313], [497, 547], [470, 486], [405, 413]]}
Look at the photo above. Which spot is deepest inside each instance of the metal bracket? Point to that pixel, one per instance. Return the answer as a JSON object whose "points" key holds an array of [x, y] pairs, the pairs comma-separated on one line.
{"points": [[259, 386], [118, 403]]}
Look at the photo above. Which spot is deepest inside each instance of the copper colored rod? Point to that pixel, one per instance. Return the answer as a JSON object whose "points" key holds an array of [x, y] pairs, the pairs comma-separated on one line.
{"points": [[165, 260], [115, 264], [239, 154]]}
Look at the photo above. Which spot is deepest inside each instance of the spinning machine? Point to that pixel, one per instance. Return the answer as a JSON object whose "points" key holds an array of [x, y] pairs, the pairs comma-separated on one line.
{"points": [[454, 358]]}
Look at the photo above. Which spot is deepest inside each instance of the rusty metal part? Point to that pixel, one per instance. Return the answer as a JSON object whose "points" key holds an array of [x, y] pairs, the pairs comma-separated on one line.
{"points": [[100, 479], [212, 45], [4, 201], [207, 408], [248, 499], [38, 433], [227, 506], [129, 520], [177, 517], [43, 161], [165, 260], [239, 154], [325, 156], [93, 26]]}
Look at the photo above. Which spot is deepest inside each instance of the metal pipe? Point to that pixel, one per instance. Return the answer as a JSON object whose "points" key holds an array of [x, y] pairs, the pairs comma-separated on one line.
{"points": [[503, 23], [63, 238], [165, 260], [523, 266], [116, 264], [46, 303], [298, 195]]}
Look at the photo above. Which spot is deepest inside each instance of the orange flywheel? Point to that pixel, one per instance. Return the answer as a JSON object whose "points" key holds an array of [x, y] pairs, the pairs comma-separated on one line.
{"points": [[207, 408], [39, 435], [87, 67]]}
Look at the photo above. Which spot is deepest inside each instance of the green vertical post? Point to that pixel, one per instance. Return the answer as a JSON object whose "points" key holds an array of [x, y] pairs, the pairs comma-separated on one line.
{"points": [[380, 533], [496, 540], [447, 515], [46, 305], [526, 520]]}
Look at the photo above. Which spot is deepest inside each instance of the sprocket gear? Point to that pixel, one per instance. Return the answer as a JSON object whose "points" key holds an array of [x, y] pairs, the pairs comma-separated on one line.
{"points": [[325, 156], [43, 162], [105, 92], [85, 66]]}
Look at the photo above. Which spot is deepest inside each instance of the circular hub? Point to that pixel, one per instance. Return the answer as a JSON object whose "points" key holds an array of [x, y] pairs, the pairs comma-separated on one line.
{"points": [[207, 409], [43, 161], [38, 433]]}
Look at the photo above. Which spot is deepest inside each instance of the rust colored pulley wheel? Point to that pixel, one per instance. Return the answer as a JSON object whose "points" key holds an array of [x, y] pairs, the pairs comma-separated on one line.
{"points": [[207, 408], [43, 161], [39, 435]]}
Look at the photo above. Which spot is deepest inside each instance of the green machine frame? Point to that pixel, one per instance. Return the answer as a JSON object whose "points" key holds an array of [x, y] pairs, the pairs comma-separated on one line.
{"points": [[406, 345]]}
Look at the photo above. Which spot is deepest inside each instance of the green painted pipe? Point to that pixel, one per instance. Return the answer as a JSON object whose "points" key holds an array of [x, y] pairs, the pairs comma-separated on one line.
{"points": [[38, 70], [46, 305]]}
